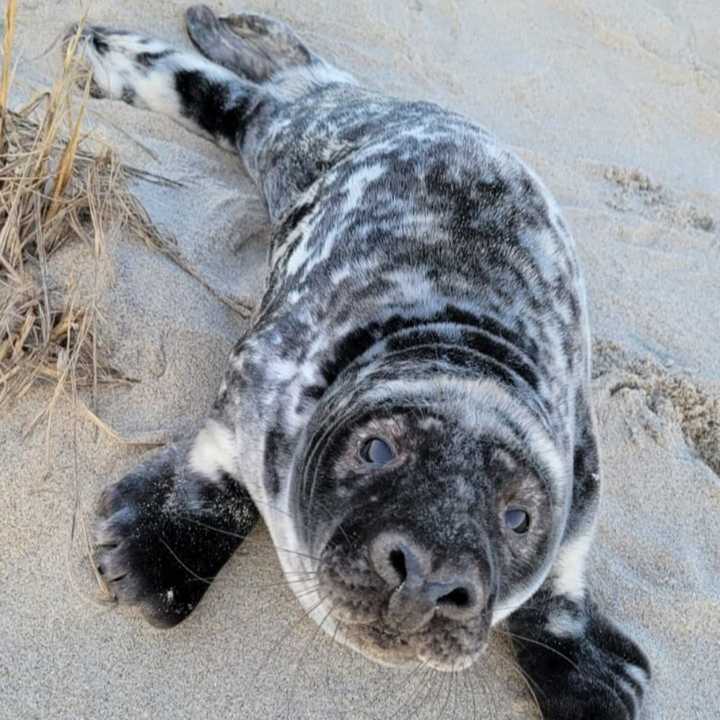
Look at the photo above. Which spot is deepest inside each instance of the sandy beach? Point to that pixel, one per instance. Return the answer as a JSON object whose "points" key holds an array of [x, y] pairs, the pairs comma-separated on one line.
{"points": [[617, 106]]}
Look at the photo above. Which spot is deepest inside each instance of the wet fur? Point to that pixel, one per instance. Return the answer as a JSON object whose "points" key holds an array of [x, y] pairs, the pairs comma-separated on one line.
{"points": [[422, 281]]}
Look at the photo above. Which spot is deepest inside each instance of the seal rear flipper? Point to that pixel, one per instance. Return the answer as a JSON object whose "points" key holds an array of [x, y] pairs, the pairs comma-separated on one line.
{"points": [[253, 46], [149, 73], [163, 533]]}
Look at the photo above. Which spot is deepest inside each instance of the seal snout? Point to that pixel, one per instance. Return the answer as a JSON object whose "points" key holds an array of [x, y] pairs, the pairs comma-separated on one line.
{"points": [[421, 588]]}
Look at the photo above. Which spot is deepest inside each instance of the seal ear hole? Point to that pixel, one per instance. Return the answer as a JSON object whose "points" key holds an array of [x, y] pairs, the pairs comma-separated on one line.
{"points": [[375, 451], [397, 560], [517, 520]]}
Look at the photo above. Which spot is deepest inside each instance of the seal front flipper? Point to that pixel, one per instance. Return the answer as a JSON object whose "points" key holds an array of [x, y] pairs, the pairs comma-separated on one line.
{"points": [[580, 666], [166, 529]]}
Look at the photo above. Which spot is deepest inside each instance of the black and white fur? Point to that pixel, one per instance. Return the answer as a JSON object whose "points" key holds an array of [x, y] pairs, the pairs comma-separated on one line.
{"points": [[424, 291]]}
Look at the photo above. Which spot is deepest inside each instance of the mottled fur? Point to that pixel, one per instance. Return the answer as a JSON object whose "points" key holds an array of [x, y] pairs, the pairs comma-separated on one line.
{"points": [[423, 288]]}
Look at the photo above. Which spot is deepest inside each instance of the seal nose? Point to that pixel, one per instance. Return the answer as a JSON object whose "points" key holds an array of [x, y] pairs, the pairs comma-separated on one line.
{"points": [[419, 591]]}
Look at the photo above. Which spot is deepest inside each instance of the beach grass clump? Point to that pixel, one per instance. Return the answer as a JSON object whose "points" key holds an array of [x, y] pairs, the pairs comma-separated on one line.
{"points": [[53, 191]]}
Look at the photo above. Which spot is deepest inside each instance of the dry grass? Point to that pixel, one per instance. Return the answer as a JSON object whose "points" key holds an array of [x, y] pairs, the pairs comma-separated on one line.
{"points": [[54, 192]]}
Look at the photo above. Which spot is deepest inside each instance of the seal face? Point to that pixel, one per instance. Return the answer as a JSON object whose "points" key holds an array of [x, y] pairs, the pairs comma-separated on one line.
{"points": [[409, 411], [416, 552]]}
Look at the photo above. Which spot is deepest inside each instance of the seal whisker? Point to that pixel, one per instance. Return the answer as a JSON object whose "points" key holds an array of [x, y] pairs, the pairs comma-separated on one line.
{"points": [[248, 541], [430, 680], [447, 680], [471, 692], [302, 655], [207, 581], [419, 668], [287, 634], [525, 679], [488, 695], [456, 691], [385, 691], [282, 583], [541, 644]]}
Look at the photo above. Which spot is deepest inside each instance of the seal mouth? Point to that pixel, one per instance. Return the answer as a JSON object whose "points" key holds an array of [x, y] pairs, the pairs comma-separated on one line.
{"points": [[430, 647], [379, 645]]}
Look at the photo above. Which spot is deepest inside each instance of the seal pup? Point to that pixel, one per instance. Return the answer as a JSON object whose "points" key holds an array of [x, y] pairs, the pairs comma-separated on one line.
{"points": [[409, 410]]}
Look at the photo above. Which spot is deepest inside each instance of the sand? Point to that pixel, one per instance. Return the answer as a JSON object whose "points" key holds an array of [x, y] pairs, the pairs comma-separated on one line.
{"points": [[617, 105]]}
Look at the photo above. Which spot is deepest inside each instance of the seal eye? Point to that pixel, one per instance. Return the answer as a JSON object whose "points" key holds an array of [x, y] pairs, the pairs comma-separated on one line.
{"points": [[517, 520], [376, 452]]}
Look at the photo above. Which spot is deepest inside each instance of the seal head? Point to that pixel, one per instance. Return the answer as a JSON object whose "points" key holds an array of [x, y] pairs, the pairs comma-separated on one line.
{"points": [[425, 522]]}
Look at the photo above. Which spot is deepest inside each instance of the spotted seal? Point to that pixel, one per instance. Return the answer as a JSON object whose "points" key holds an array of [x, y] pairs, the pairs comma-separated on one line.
{"points": [[409, 411]]}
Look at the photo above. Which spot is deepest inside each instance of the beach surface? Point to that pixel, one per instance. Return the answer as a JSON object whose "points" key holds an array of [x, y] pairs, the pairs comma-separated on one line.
{"points": [[617, 106]]}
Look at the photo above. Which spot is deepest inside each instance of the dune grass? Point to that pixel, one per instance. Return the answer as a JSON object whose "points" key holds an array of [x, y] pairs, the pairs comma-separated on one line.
{"points": [[54, 192]]}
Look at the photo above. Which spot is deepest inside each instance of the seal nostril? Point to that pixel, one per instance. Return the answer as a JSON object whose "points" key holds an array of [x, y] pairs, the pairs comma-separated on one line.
{"points": [[397, 560], [459, 597]]}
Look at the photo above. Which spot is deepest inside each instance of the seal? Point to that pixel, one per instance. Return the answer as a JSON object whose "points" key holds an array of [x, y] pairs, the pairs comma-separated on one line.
{"points": [[409, 411]]}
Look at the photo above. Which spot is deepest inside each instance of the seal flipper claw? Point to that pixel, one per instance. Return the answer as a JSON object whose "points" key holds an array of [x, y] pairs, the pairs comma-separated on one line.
{"points": [[164, 531]]}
